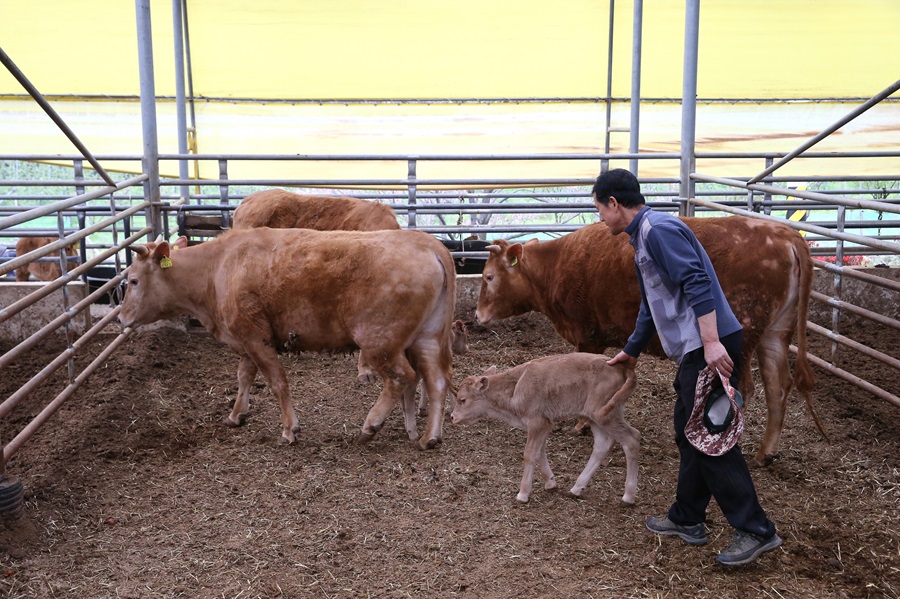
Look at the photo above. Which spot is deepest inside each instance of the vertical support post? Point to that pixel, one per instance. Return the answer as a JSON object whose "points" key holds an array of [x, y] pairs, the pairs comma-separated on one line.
{"points": [[636, 41], [180, 103], [689, 103], [223, 176], [767, 196], [411, 191], [604, 163], [837, 288], [150, 160], [78, 165]]}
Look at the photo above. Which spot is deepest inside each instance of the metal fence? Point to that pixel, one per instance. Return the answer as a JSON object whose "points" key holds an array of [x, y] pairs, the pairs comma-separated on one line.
{"points": [[105, 219]]}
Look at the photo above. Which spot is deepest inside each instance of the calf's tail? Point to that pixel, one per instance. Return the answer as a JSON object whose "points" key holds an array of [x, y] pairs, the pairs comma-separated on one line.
{"points": [[622, 394]]}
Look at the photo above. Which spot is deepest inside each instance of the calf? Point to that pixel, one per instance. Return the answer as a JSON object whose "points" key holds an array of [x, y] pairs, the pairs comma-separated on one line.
{"points": [[42, 271], [390, 294], [535, 395], [586, 283], [282, 209]]}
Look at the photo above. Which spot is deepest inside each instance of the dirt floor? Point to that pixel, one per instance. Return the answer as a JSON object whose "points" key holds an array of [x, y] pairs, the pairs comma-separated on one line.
{"points": [[135, 488]]}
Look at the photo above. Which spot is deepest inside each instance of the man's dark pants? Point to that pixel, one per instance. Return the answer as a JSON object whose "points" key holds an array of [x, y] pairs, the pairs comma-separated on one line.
{"points": [[701, 477]]}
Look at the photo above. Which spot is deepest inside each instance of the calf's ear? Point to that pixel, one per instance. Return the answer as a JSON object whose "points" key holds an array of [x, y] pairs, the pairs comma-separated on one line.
{"points": [[180, 243], [482, 384], [490, 371]]}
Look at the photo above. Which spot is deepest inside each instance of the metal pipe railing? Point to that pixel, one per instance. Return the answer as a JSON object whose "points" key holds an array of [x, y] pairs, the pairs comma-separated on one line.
{"points": [[61, 243], [16, 443], [892, 248]]}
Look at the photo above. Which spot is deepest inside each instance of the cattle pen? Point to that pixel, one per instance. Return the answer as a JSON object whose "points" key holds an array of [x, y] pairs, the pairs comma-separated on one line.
{"points": [[57, 337]]}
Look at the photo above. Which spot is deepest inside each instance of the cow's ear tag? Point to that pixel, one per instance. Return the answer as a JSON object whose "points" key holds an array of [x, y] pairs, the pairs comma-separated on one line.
{"points": [[166, 262], [514, 261]]}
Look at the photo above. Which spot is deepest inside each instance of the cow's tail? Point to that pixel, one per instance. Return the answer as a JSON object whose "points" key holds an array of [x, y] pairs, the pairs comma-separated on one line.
{"points": [[619, 397], [804, 379], [447, 302]]}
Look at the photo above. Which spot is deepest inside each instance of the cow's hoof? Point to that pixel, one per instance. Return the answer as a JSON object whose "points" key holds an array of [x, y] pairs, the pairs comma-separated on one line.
{"points": [[550, 484], [286, 440], [366, 378], [241, 420], [363, 438], [627, 502], [522, 498], [576, 492], [581, 430], [429, 444], [764, 460]]}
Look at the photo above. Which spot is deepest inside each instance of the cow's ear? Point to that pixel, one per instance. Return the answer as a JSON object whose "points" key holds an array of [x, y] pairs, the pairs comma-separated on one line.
{"points": [[514, 253], [180, 243], [482, 384], [490, 371], [161, 251]]}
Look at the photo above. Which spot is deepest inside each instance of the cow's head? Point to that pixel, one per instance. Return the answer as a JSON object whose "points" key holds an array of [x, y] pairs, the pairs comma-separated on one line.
{"points": [[472, 398], [506, 289], [151, 290]]}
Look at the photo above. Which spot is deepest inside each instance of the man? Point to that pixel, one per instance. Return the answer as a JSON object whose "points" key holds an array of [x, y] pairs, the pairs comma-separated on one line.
{"points": [[682, 301]]}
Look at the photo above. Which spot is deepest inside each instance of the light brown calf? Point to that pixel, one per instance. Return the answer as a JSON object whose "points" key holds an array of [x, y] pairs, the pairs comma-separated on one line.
{"points": [[42, 271], [535, 395], [390, 294]]}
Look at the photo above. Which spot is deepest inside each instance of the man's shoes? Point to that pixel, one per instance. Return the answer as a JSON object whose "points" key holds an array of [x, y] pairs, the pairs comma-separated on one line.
{"points": [[746, 547], [694, 534]]}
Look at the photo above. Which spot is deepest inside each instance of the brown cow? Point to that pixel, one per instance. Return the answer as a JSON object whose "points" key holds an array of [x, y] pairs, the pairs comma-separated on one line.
{"points": [[42, 271], [390, 294], [282, 209], [586, 283], [535, 395]]}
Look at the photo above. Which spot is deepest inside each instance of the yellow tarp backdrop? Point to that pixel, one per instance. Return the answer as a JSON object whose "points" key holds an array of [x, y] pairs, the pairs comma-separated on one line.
{"points": [[445, 49]]}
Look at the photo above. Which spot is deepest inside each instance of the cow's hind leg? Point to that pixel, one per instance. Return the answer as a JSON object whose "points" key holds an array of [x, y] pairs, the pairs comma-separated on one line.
{"points": [[246, 375], [397, 374], [267, 361], [364, 372], [436, 385]]}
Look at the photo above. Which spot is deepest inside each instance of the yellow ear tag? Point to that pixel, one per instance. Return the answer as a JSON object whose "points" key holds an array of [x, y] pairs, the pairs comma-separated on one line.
{"points": [[514, 261], [166, 262]]}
